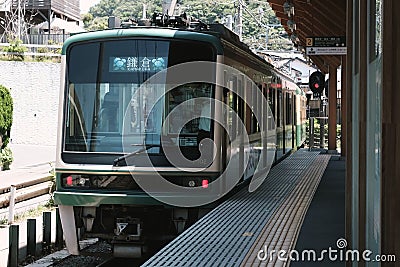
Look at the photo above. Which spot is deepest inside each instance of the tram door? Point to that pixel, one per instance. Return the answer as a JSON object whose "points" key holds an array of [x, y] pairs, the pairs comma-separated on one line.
{"points": [[279, 120], [288, 121], [235, 117], [272, 92], [294, 124]]}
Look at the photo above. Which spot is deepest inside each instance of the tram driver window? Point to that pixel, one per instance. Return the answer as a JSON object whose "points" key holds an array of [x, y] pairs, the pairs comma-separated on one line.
{"points": [[185, 106], [109, 111]]}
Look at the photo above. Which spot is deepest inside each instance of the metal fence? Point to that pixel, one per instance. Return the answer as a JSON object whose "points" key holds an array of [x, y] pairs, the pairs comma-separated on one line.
{"points": [[39, 52], [39, 39]]}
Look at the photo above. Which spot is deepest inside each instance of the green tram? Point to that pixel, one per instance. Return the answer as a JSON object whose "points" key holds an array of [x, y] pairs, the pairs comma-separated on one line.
{"points": [[111, 129]]}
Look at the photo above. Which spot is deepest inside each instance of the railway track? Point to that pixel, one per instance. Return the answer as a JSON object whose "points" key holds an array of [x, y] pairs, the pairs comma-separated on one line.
{"points": [[112, 262], [97, 254]]}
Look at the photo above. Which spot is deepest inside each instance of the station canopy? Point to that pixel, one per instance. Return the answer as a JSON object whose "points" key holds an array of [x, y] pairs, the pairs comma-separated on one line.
{"points": [[310, 21]]}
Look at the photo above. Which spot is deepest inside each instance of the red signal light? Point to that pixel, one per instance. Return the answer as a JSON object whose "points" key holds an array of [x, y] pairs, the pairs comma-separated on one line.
{"points": [[69, 180], [317, 82], [204, 183]]}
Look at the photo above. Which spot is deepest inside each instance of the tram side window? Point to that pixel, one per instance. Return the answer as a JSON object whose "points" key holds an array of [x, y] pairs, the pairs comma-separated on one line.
{"points": [[279, 109], [295, 119], [184, 97], [259, 103], [289, 109], [241, 104], [233, 104], [271, 100], [256, 101], [236, 105]]}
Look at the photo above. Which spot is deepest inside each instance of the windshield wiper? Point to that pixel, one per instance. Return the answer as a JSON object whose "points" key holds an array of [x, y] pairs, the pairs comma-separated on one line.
{"points": [[126, 156]]}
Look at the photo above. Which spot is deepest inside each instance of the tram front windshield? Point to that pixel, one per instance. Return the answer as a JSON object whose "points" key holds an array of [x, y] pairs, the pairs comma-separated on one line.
{"points": [[109, 109]]}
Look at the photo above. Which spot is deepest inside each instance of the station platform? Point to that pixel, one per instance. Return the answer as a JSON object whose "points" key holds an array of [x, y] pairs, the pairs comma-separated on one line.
{"points": [[249, 229]]}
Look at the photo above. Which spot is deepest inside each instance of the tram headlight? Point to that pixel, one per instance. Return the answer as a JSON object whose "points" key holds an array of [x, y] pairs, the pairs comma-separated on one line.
{"points": [[75, 180], [195, 182], [82, 181], [190, 181]]}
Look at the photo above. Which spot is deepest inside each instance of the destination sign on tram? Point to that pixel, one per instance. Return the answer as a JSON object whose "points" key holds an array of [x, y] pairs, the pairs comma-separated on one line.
{"points": [[137, 64]]}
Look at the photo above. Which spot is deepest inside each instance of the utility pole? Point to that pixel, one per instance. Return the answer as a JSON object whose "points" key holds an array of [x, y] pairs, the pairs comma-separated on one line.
{"points": [[229, 22], [168, 7], [144, 13], [240, 20]]}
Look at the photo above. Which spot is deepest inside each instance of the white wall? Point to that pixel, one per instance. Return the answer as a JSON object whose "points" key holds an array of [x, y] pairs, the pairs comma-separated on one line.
{"points": [[35, 90]]}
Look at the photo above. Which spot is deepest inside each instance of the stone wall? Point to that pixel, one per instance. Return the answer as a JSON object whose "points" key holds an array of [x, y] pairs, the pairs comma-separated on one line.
{"points": [[35, 88]]}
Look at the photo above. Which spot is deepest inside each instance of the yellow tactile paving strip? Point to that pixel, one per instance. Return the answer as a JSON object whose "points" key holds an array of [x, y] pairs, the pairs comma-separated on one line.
{"points": [[281, 230]]}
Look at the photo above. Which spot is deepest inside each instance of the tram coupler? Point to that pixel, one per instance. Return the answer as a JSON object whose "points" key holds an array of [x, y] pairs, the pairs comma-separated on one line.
{"points": [[127, 229]]}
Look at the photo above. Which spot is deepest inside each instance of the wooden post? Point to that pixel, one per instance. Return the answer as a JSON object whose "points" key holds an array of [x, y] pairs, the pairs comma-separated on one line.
{"points": [[59, 232], [390, 131], [344, 110], [349, 123], [46, 230], [11, 206], [13, 246], [362, 126], [31, 237], [332, 107]]}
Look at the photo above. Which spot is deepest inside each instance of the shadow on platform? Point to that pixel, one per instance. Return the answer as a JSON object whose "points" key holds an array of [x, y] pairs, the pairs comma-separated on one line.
{"points": [[324, 223]]}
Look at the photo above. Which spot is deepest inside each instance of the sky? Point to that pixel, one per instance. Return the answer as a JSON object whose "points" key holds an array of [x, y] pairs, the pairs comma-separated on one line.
{"points": [[86, 4]]}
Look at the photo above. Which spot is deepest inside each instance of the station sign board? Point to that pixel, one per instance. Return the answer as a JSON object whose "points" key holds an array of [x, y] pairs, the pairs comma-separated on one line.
{"points": [[326, 46], [326, 41], [326, 51]]}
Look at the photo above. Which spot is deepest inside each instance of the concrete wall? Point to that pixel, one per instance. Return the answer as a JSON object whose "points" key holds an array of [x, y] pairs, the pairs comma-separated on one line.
{"points": [[35, 90]]}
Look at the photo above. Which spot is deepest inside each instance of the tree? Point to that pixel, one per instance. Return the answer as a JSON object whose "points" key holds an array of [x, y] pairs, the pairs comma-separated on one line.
{"points": [[98, 15], [6, 111], [256, 15], [17, 20]]}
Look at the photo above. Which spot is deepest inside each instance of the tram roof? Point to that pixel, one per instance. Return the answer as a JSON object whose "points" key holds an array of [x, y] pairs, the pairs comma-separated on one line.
{"points": [[145, 32]]}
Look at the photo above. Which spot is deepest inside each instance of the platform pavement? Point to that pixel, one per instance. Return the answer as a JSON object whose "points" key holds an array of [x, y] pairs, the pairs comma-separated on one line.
{"points": [[248, 224], [30, 162]]}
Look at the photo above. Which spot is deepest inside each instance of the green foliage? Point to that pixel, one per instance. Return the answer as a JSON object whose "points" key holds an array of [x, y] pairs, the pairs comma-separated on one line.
{"points": [[52, 187], [98, 15], [209, 11], [6, 158], [56, 50], [256, 15], [6, 111], [99, 23], [17, 48], [42, 50]]}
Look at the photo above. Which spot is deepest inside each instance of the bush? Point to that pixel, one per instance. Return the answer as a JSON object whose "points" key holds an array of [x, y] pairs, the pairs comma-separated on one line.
{"points": [[6, 158], [42, 50], [6, 112], [16, 47]]}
